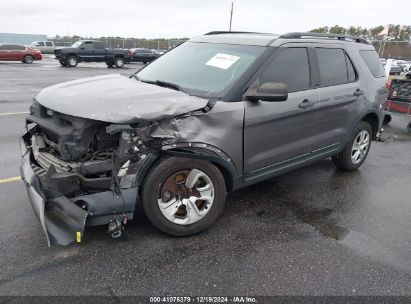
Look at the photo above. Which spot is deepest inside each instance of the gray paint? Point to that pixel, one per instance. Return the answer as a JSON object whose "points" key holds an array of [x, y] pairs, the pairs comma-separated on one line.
{"points": [[259, 139], [117, 99]]}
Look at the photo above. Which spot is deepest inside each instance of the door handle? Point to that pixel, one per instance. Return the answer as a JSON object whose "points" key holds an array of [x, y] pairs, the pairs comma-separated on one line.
{"points": [[306, 104], [358, 93]]}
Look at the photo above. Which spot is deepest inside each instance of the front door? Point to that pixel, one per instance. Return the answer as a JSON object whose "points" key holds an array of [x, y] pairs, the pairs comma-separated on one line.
{"points": [[275, 132]]}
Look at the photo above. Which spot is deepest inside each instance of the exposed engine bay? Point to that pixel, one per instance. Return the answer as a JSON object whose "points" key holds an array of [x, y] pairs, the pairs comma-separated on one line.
{"points": [[81, 156]]}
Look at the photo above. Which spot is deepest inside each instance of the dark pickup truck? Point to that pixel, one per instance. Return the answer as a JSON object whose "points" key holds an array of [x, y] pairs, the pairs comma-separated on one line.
{"points": [[91, 51]]}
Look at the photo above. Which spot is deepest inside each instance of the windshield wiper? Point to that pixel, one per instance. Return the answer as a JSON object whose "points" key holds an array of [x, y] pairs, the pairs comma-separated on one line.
{"points": [[162, 83], [170, 85]]}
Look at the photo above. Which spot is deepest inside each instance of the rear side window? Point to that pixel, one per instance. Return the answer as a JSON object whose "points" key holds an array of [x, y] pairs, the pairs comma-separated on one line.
{"points": [[88, 45], [333, 66], [373, 63], [98, 45], [290, 67]]}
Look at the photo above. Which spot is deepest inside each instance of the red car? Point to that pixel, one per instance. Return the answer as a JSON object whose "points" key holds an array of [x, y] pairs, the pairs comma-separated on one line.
{"points": [[17, 52]]}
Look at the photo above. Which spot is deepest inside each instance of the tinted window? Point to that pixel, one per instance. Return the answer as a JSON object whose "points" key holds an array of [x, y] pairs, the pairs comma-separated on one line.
{"points": [[88, 45], [49, 43], [373, 63], [333, 67], [98, 45], [290, 67]]}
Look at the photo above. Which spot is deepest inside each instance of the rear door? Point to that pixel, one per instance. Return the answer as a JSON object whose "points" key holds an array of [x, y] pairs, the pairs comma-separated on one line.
{"points": [[278, 131], [17, 52], [339, 96], [99, 51]]}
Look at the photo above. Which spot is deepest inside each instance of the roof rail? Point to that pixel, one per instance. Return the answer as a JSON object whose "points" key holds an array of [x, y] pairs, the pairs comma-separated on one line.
{"points": [[299, 35], [229, 32]]}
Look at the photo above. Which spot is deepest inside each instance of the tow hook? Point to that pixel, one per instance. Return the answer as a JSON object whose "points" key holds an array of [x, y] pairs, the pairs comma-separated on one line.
{"points": [[116, 227]]}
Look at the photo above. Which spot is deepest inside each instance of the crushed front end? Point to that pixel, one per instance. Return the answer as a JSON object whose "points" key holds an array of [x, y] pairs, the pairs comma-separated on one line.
{"points": [[80, 172]]}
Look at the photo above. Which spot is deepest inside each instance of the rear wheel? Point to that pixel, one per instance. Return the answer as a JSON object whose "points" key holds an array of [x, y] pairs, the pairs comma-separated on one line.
{"points": [[356, 151], [28, 59], [72, 61], [119, 62], [183, 196]]}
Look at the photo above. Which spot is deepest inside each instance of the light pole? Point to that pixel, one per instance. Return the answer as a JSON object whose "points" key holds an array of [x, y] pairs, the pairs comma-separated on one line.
{"points": [[231, 14]]}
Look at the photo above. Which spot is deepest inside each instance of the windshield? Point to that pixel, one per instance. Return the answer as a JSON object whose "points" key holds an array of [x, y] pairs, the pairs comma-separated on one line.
{"points": [[76, 44], [203, 69]]}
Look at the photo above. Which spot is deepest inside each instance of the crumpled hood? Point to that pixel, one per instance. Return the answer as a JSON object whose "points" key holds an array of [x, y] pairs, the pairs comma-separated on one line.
{"points": [[117, 99]]}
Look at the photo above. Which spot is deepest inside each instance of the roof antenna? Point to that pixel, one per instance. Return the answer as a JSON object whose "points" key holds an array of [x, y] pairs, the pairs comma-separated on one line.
{"points": [[231, 15]]}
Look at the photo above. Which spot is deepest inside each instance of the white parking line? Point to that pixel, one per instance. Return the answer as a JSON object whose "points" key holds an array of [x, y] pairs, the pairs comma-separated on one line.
{"points": [[13, 113]]}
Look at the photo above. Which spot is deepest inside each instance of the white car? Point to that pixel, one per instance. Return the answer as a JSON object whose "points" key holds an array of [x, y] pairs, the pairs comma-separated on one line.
{"points": [[46, 47]]}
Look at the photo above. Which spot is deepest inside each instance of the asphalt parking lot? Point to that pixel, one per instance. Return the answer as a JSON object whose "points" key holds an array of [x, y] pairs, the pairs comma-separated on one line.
{"points": [[315, 231]]}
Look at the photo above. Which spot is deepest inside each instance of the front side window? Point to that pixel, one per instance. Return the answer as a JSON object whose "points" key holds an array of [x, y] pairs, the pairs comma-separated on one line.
{"points": [[203, 69], [77, 44], [291, 67]]}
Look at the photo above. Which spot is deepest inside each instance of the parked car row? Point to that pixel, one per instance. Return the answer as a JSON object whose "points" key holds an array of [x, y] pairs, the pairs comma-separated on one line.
{"points": [[398, 66], [80, 51]]}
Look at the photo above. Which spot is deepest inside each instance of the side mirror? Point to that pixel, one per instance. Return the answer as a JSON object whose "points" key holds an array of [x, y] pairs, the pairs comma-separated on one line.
{"points": [[269, 91]]}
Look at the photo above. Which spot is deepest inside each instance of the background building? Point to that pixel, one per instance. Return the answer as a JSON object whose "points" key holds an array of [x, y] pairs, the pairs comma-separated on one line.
{"points": [[21, 38]]}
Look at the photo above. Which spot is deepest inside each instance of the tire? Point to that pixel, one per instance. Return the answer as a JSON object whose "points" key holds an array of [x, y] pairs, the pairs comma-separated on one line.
{"points": [[348, 159], [119, 62], [72, 61], [28, 59], [409, 127], [63, 62], [166, 187], [387, 119], [109, 64], [144, 62]]}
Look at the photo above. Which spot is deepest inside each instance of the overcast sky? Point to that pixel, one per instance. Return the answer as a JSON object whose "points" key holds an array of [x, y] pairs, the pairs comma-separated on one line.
{"points": [[187, 18]]}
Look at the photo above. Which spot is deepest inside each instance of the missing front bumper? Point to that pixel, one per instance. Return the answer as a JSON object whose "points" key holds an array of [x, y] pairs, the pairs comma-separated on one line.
{"points": [[62, 219], [59, 217]]}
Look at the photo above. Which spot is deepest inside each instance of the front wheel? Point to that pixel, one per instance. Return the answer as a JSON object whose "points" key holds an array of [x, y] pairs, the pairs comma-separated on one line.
{"points": [[183, 196], [28, 59], [72, 61], [119, 62], [356, 151]]}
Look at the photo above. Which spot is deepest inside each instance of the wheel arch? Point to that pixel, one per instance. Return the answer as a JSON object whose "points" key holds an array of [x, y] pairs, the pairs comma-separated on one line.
{"points": [[224, 165], [373, 120]]}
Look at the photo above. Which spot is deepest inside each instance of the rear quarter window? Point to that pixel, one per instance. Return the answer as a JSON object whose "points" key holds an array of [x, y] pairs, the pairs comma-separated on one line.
{"points": [[373, 62]]}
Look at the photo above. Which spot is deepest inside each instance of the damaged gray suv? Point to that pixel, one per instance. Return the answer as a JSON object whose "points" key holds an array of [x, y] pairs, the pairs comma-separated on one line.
{"points": [[215, 114]]}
